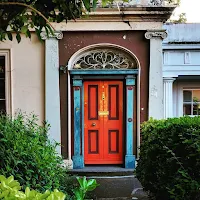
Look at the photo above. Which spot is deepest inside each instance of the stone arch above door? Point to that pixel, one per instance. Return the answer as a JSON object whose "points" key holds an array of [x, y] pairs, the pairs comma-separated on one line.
{"points": [[103, 56]]}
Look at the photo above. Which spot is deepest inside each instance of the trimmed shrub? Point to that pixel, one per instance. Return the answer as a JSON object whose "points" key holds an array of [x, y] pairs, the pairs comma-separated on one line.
{"points": [[28, 155], [169, 164]]}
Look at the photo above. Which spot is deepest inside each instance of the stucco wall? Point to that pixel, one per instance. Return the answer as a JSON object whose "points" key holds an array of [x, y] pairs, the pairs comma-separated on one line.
{"points": [[27, 75]]}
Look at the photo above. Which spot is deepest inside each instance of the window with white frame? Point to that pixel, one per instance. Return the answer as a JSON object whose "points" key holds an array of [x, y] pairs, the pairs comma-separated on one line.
{"points": [[191, 102]]}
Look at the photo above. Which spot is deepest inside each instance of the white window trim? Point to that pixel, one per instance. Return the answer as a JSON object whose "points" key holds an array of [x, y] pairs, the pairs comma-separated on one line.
{"points": [[6, 53], [184, 86], [191, 89]]}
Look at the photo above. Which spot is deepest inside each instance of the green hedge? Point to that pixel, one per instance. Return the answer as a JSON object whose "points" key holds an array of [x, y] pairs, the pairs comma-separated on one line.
{"points": [[169, 164], [28, 155]]}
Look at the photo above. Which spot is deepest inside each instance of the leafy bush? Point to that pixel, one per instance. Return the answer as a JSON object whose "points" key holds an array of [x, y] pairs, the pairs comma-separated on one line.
{"points": [[169, 164], [78, 188], [27, 154], [10, 190]]}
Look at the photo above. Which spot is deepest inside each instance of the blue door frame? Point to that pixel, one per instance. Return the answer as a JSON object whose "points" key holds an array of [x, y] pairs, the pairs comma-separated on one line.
{"points": [[78, 113]]}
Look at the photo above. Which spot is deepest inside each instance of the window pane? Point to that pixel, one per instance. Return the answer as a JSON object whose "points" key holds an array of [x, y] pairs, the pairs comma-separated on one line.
{"points": [[2, 89], [196, 95], [187, 96], [2, 66], [196, 109], [2, 106], [187, 109], [2, 85]]}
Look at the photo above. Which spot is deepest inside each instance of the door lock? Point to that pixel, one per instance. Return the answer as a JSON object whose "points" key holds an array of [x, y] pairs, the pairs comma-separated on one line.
{"points": [[93, 124], [103, 96]]}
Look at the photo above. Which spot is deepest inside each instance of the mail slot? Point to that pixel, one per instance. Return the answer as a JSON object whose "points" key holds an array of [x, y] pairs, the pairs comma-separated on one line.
{"points": [[101, 113]]}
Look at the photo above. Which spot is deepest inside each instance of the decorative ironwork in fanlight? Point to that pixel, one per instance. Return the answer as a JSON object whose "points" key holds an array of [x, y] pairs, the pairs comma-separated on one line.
{"points": [[105, 59]]}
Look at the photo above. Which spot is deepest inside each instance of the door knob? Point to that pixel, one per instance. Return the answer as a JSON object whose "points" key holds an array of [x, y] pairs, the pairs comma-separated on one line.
{"points": [[93, 124]]}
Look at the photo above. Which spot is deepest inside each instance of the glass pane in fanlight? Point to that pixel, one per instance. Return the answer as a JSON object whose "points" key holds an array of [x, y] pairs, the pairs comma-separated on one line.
{"points": [[187, 96], [187, 109]]}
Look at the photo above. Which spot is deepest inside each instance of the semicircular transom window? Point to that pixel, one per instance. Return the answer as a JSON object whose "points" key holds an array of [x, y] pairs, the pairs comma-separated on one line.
{"points": [[105, 58]]}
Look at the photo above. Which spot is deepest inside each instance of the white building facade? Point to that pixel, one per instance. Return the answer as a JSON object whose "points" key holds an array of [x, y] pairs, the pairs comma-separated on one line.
{"points": [[181, 70]]}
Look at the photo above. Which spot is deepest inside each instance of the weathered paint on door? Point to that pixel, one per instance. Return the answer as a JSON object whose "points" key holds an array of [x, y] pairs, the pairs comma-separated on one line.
{"points": [[103, 122]]}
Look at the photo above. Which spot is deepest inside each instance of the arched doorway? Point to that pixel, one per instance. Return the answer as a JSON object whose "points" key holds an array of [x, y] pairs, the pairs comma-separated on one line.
{"points": [[103, 80]]}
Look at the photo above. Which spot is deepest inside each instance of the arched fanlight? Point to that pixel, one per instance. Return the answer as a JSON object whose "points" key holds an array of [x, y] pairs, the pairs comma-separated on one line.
{"points": [[104, 58]]}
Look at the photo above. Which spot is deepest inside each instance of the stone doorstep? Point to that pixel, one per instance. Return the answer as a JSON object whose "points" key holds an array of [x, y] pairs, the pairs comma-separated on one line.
{"points": [[102, 171], [116, 183]]}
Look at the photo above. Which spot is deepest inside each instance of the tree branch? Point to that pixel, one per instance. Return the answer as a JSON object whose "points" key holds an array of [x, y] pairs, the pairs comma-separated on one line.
{"points": [[30, 7]]}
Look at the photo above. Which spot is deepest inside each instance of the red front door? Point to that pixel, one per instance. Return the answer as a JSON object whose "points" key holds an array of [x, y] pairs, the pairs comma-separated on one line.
{"points": [[103, 122]]}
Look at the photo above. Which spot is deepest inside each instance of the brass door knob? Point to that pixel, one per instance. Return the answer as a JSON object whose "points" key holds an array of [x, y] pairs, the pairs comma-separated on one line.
{"points": [[93, 124]]}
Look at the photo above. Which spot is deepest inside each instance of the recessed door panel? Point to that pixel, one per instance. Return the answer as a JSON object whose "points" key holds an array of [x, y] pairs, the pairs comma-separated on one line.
{"points": [[103, 122]]}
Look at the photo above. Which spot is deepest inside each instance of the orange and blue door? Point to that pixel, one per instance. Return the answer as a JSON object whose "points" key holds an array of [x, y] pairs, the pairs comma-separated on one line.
{"points": [[103, 122]]}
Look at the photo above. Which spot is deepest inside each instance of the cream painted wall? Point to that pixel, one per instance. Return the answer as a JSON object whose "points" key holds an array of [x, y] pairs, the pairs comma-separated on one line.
{"points": [[27, 75]]}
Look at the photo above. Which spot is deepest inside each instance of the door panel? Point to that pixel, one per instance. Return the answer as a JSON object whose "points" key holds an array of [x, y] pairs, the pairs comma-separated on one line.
{"points": [[93, 142], [93, 101], [113, 141], [113, 104], [103, 122], [93, 123], [113, 123]]}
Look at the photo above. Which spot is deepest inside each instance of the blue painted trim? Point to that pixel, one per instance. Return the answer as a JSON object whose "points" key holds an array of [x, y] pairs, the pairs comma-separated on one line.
{"points": [[99, 72], [77, 82], [78, 162], [129, 158], [130, 81], [83, 142], [129, 125], [130, 162]]}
